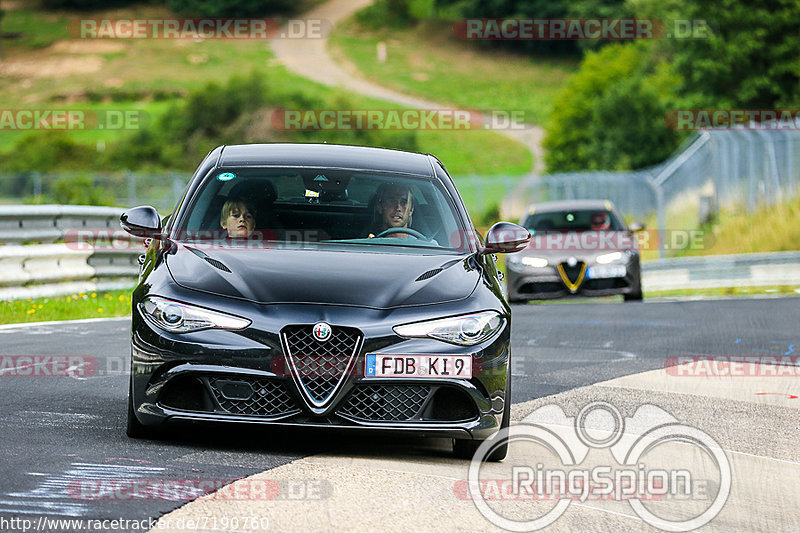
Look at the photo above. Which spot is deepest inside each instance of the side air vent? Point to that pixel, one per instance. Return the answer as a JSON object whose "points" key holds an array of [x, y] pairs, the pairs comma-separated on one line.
{"points": [[218, 264], [429, 274]]}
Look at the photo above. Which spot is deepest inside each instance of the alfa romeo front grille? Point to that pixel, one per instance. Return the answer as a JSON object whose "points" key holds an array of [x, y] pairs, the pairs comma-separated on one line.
{"points": [[385, 403], [319, 367], [265, 397]]}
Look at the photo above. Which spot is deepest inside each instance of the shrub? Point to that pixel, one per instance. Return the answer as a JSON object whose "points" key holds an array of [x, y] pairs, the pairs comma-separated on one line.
{"points": [[230, 8], [79, 190], [610, 116]]}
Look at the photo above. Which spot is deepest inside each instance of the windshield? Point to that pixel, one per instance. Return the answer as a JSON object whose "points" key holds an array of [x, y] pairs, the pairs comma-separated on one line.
{"points": [[577, 220], [301, 206]]}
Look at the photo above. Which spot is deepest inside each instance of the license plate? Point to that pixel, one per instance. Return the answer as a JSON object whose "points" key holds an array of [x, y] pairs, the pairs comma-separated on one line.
{"points": [[610, 271], [417, 366]]}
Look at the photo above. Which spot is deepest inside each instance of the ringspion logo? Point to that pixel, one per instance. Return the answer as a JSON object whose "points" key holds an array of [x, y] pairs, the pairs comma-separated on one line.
{"points": [[602, 455]]}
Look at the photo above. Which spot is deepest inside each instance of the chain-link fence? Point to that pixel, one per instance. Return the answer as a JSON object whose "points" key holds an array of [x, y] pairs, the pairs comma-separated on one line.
{"points": [[115, 189], [745, 168]]}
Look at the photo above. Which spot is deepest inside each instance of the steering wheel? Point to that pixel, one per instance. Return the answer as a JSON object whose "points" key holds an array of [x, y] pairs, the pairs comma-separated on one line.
{"points": [[408, 231]]}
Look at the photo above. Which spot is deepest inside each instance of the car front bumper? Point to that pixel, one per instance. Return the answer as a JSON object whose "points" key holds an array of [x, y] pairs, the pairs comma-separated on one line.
{"points": [[527, 283], [177, 378]]}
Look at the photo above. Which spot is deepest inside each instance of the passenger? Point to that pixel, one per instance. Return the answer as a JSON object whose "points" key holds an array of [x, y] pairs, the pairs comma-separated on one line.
{"points": [[394, 207], [238, 218]]}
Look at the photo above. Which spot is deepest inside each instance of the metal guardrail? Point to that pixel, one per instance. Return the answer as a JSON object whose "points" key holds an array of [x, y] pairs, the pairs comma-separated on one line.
{"points": [[50, 223], [50, 269], [722, 271]]}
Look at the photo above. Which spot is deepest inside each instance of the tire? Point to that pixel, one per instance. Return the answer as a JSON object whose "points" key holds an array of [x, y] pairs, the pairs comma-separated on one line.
{"points": [[466, 448]]}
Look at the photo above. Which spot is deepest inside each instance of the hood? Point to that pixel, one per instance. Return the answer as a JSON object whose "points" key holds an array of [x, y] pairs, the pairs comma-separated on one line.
{"points": [[324, 276], [583, 245]]}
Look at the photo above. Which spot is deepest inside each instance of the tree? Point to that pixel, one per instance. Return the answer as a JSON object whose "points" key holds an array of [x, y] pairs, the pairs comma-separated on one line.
{"points": [[1, 30], [610, 116], [230, 8], [750, 61]]}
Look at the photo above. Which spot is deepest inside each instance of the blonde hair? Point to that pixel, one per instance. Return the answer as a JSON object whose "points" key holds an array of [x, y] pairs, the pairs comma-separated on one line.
{"points": [[228, 206]]}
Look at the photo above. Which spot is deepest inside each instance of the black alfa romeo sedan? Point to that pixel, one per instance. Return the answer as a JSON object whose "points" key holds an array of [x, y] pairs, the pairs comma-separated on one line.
{"points": [[320, 285]]}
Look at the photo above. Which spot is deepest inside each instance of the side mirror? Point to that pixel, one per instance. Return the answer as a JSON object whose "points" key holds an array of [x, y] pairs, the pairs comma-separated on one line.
{"points": [[506, 237], [143, 221], [636, 226]]}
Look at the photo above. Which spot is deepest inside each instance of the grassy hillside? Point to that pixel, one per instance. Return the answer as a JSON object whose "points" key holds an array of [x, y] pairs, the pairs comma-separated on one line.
{"points": [[43, 68], [428, 61]]}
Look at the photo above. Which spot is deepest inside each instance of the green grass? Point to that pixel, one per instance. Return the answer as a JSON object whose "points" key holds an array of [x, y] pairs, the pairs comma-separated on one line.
{"points": [[27, 29], [72, 307], [428, 61], [153, 72], [726, 291], [149, 111], [768, 229]]}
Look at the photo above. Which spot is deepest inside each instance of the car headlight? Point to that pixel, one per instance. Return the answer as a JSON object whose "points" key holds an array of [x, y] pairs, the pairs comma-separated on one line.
{"points": [[538, 262], [465, 330], [609, 258], [177, 317]]}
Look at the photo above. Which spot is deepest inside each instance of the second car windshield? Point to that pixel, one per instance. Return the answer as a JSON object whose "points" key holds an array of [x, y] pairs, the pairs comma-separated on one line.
{"points": [[323, 206], [577, 220]]}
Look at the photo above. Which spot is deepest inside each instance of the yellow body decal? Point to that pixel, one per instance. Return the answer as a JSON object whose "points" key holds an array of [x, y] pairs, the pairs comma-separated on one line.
{"points": [[571, 286]]}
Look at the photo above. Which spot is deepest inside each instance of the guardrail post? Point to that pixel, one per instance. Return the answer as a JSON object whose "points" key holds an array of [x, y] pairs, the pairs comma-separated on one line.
{"points": [[131, 179], [659, 194]]}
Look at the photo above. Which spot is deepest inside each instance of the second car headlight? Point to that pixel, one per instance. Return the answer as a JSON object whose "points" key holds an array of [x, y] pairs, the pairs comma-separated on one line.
{"points": [[611, 257], [465, 330], [537, 262], [177, 317]]}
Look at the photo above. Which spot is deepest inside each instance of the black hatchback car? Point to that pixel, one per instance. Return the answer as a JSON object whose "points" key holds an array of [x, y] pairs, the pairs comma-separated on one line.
{"points": [[321, 285]]}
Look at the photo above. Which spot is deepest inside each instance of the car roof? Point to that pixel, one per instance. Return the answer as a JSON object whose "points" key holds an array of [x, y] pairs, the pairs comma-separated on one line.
{"points": [[570, 205], [325, 156]]}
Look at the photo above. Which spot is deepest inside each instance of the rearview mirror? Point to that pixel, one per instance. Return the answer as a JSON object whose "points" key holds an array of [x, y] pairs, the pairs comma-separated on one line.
{"points": [[506, 237], [143, 221]]}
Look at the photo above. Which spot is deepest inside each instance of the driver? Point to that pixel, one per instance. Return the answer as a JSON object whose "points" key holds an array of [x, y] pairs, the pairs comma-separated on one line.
{"points": [[600, 221], [394, 206]]}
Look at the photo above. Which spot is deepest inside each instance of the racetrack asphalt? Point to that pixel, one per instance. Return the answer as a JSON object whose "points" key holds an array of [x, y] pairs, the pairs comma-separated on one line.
{"points": [[61, 435]]}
